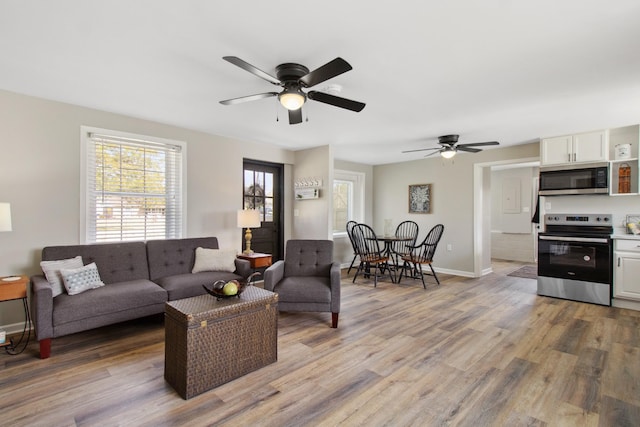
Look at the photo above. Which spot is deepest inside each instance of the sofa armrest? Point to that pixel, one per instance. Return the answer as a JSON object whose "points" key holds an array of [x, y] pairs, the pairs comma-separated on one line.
{"points": [[335, 287], [243, 267], [42, 306], [273, 275]]}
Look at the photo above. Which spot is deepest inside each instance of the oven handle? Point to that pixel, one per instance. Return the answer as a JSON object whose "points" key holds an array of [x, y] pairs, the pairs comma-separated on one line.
{"points": [[575, 239]]}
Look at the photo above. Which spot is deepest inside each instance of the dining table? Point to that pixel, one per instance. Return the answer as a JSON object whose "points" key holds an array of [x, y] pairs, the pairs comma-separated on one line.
{"points": [[388, 249]]}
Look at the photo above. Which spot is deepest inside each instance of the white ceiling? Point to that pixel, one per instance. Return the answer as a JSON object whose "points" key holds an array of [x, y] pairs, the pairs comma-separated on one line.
{"points": [[504, 70]]}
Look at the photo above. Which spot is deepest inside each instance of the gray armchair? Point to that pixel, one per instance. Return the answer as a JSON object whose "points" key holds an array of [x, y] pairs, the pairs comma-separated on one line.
{"points": [[307, 279]]}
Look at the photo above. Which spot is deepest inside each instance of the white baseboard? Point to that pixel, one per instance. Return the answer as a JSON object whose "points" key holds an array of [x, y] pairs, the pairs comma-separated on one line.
{"points": [[14, 328], [622, 303]]}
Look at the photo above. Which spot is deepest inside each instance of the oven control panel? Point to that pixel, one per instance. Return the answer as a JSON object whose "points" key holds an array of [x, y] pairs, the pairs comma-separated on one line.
{"points": [[577, 219]]}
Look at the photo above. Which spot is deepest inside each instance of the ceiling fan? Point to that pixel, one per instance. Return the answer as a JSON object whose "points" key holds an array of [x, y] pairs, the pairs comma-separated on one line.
{"points": [[293, 78], [449, 146]]}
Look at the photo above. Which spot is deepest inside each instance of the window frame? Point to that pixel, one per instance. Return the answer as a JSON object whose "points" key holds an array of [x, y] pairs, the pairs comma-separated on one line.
{"points": [[85, 141], [357, 196]]}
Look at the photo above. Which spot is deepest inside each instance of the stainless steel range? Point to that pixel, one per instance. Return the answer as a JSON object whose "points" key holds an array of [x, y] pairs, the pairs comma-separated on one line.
{"points": [[574, 257]]}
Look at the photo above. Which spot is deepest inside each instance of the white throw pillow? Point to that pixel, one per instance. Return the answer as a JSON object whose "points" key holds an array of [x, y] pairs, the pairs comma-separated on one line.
{"points": [[51, 270], [214, 260], [81, 279]]}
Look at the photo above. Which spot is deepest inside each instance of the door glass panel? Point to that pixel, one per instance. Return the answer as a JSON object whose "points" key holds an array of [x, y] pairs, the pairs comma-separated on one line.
{"points": [[268, 184]]}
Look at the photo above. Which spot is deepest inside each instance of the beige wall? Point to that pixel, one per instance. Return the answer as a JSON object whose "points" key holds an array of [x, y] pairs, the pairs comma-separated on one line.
{"points": [[311, 219], [40, 177], [452, 203]]}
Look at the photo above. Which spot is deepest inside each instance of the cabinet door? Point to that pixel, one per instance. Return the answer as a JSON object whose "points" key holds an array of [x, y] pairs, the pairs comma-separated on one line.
{"points": [[591, 147], [625, 276], [556, 151]]}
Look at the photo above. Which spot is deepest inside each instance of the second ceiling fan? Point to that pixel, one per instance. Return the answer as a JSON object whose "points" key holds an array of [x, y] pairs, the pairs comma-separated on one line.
{"points": [[449, 146], [294, 78]]}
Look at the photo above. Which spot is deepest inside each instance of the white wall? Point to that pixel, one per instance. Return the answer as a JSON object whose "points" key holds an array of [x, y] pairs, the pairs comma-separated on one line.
{"points": [[453, 200], [40, 177]]}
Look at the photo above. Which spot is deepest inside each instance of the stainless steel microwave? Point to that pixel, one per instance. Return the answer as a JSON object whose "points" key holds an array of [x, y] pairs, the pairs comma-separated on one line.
{"points": [[586, 178]]}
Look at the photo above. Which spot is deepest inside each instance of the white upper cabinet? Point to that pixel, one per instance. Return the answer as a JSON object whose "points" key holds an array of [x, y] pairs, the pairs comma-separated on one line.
{"points": [[579, 148]]}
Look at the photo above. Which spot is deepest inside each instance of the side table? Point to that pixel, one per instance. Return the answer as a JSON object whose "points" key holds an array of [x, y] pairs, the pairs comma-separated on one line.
{"points": [[13, 288], [257, 260]]}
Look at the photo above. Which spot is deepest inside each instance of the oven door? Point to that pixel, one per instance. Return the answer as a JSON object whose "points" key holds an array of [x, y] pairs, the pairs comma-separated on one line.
{"points": [[577, 258]]}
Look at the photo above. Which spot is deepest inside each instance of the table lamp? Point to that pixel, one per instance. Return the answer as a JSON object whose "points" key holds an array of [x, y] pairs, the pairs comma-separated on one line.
{"points": [[5, 217], [248, 218]]}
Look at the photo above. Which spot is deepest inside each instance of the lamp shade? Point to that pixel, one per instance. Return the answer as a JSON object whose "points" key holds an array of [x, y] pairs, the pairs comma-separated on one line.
{"points": [[249, 218], [5, 217]]}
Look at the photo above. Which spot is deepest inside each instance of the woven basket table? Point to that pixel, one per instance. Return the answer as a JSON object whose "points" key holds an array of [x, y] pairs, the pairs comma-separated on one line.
{"points": [[209, 342]]}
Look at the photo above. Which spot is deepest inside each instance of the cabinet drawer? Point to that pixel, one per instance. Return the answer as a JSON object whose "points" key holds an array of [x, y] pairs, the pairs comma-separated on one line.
{"points": [[627, 245]]}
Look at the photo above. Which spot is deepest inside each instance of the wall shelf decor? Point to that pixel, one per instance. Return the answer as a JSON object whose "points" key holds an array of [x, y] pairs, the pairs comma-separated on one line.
{"points": [[307, 193]]}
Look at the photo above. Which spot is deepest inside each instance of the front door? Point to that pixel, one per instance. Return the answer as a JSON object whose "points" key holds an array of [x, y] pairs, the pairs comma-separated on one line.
{"points": [[262, 190]]}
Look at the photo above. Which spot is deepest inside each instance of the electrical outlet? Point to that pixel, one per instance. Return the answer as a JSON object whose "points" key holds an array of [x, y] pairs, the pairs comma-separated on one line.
{"points": [[547, 205], [296, 212], [449, 247]]}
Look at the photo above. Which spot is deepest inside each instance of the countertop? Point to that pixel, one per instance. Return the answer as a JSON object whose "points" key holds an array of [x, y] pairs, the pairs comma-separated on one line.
{"points": [[625, 236]]}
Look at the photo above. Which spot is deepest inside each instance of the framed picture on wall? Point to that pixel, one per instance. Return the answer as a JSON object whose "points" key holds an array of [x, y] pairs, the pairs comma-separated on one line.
{"points": [[420, 198]]}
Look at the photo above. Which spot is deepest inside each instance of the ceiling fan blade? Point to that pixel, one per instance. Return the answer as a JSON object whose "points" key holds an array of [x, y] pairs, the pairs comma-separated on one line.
{"points": [[478, 144], [435, 152], [242, 99], [250, 68], [467, 149], [295, 116], [422, 149], [325, 72], [336, 101]]}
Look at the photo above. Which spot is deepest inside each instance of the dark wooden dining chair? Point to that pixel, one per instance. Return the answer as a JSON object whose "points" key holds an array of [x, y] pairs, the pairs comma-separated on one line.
{"points": [[406, 230], [423, 254], [368, 249], [350, 225]]}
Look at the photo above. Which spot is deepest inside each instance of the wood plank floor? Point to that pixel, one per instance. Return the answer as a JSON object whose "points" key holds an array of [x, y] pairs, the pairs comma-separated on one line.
{"points": [[476, 352]]}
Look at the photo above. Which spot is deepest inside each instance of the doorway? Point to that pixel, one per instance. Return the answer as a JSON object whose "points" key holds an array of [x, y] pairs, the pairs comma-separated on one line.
{"points": [[263, 186], [482, 210]]}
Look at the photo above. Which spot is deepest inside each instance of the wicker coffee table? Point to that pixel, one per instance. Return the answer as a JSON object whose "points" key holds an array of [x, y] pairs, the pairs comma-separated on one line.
{"points": [[209, 342]]}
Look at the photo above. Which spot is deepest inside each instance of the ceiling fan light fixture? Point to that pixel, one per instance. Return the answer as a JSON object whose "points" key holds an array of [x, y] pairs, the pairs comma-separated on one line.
{"points": [[292, 99], [448, 153]]}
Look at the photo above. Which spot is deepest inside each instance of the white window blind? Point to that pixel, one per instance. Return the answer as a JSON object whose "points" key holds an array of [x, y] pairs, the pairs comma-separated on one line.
{"points": [[134, 189]]}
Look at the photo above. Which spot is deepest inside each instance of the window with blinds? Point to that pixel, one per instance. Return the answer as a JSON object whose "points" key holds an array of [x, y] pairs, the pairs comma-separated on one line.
{"points": [[134, 189]]}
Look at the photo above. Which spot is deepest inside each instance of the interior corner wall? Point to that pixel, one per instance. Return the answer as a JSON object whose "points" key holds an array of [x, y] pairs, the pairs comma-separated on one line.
{"points": [[40, 177], [312, 218]]}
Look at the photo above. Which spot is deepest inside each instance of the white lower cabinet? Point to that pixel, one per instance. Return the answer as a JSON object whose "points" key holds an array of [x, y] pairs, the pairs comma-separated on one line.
{"points": [[626, 271]]}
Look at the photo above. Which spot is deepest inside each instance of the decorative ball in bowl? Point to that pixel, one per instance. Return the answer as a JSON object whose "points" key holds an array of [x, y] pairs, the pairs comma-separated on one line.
{"points": [[229, 288]]}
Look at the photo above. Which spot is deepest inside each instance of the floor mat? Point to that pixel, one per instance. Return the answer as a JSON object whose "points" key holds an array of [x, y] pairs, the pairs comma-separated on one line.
{"points": [[528, 272]]}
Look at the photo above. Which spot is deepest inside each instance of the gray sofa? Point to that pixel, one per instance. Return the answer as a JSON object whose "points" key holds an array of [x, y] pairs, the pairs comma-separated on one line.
{"points": [[139, 277]]}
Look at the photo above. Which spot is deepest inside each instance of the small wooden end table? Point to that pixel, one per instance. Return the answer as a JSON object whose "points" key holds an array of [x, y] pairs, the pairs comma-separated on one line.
{"points": [[13, 288], [257, 260]]}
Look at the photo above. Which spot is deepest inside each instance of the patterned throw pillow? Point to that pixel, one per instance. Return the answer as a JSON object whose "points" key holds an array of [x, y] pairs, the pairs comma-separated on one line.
{"points": [[81, 279], [51, 270], [214, 260]]}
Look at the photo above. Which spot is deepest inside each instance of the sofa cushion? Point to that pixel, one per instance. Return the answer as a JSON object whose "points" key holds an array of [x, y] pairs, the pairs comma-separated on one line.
{"points": [[114, 298], [175, 256], [117, 262], [304, 289], [214, 260], [190, 284], [51, 270], [78, 280]]}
